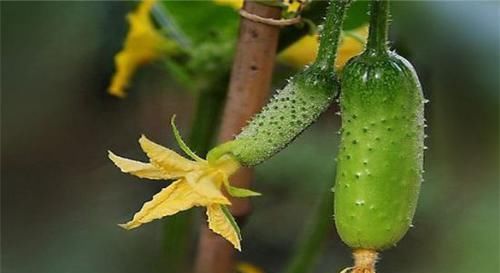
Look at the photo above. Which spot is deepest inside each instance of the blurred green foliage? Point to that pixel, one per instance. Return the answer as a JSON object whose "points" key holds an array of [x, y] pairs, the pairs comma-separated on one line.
{"points": [[207, 34], [61, 197]]}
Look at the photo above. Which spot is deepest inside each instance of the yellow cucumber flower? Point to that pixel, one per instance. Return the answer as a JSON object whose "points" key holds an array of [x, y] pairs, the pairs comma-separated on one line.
{"points": [[198, 182], [143, 44], [303, 51]]}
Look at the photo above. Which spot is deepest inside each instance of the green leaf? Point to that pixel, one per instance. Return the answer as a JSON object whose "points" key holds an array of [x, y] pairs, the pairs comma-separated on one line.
{"points": [[202, 21], [238, 192], [181, 142], [209, 31], [241, 192]]}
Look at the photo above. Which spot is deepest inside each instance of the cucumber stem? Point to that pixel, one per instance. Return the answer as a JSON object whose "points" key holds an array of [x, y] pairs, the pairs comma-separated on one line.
{"points": [[379, 27], [364, 261], [330, 34]]}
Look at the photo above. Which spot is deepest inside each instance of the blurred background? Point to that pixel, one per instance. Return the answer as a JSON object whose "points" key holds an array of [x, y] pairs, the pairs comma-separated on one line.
{"points": [[61, 198]]}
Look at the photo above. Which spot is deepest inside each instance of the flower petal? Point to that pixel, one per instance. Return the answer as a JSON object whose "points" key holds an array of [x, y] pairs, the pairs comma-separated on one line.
{"points": [[141, 169], [143, 44], [167, 159], [207, 185], [223, 223], [177, 197], [125, 68]]}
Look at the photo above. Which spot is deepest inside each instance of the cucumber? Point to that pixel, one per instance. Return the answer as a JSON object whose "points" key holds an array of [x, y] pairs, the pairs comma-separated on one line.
{"points": [[381, 151], [296, 106], [287, 114], [380, 161]]}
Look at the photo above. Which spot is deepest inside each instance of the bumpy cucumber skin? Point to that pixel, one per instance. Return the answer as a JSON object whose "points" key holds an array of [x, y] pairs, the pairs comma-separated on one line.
{"points": [[287, 114], [380, 161]]}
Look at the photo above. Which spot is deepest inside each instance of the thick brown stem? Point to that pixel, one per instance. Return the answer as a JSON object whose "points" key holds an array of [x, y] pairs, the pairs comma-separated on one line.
{"points": [[248, 89], [364, 261]]}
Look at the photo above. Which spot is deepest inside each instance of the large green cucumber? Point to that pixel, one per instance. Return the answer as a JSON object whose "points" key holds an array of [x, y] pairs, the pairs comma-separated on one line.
{"points": [[381, 152]]}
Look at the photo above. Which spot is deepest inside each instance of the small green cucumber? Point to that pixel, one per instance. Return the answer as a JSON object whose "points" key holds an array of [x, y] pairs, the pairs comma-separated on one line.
{"points": [[379, 165], [297, 105], [286, 115]]}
